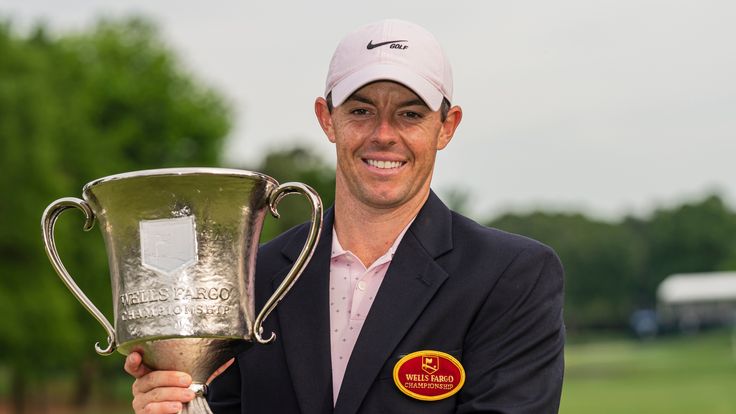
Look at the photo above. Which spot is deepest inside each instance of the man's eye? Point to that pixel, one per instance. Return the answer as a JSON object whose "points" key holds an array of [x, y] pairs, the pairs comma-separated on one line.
{"points": [[412, 115], [359, 111]]}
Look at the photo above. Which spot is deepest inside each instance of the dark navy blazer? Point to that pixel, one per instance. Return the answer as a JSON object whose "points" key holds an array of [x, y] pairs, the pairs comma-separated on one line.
{"points": [[491, 299]]}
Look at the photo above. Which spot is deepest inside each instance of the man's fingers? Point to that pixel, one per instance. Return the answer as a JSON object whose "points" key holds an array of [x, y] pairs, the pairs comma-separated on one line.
{"points": [[162, 400], [168, 407], [134, 365], [157, 379], [163, 408]]}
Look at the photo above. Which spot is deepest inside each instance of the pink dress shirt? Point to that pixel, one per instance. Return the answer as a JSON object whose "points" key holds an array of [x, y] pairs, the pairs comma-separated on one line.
{"points": [[352, 289]]}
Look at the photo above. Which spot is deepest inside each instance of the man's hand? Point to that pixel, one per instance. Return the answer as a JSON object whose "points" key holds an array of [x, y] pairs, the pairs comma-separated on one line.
{"points": [[157, 392]]}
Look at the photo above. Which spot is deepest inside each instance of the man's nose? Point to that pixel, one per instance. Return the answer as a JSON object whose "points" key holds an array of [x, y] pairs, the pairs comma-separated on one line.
{"points": [[386, 132]]}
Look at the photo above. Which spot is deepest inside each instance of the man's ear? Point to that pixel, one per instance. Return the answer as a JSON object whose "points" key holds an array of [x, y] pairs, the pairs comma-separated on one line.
{"points": [[454, 116], [324, 117]]}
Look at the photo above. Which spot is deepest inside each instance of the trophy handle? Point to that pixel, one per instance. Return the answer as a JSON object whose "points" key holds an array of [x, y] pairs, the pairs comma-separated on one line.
{"points": [[48, 222], [301, 261]]}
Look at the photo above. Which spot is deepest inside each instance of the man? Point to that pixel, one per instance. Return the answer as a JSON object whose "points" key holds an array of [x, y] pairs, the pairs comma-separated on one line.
{"points": [[395, 271]]}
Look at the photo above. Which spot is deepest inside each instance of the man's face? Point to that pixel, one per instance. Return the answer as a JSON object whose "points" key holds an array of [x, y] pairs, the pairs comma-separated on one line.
{"points": [[386, 140]]}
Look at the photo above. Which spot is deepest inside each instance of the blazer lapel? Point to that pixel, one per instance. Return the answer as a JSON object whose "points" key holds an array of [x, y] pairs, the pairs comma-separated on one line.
{"points": [[410, 283], [305, 324]]}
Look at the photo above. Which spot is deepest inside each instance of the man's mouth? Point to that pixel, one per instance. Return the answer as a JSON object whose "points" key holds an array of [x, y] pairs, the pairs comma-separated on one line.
{"points": [[384, 165]]}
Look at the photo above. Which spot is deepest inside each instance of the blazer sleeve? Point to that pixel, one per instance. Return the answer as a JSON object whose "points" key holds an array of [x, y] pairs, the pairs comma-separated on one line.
{"points": [[513, 352]]}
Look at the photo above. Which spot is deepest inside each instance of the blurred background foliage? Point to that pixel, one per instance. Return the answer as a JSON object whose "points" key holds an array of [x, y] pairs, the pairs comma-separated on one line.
{"points": [[614, 268], [114, 98], [74, 108]]}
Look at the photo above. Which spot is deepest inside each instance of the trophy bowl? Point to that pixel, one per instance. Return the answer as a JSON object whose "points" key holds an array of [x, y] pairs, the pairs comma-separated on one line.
{"points": [[181, 246]]}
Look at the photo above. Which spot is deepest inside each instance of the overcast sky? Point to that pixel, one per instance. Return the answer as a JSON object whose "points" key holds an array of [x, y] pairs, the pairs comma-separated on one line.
{"points": [[608, 107]]}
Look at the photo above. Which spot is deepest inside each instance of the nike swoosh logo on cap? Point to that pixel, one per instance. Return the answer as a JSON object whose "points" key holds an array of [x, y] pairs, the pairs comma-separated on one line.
{"points": [[371, 45]]}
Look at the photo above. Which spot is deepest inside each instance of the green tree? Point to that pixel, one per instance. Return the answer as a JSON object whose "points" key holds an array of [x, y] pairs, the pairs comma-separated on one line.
{"points": [[602, 264], [614, 268], [301, 164], [694, 237], [74, 108]]}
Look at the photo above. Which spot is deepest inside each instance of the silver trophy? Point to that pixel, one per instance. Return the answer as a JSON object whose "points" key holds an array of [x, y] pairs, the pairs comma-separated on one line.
{"points": [[181, 245]]}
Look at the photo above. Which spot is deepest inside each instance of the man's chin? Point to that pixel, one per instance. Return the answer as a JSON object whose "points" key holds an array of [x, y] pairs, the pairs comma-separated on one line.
{"points": [[390, 201]]}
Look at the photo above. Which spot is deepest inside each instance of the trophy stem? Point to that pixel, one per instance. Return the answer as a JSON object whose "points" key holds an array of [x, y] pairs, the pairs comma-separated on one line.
{"points": [[199, 404]]}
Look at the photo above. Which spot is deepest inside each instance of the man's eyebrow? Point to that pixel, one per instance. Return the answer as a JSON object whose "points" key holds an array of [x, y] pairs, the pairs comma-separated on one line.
{"points": [[413, 102], [359, 98], [363, 99]]}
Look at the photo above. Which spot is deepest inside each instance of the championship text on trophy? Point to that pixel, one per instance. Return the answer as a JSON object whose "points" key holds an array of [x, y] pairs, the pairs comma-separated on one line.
{"points": [[181, 245]]}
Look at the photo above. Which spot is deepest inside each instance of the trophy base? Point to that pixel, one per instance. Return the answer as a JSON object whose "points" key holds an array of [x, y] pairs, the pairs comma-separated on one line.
{"points": [[199, 404], [199, 357]]}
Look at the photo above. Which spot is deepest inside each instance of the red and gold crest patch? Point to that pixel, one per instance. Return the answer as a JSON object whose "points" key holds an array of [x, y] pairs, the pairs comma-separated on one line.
{"points": [[429, 375]]}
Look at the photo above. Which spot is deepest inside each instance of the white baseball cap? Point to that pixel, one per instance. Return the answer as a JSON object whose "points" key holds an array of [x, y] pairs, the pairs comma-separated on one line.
{"points": [[392, 50]]}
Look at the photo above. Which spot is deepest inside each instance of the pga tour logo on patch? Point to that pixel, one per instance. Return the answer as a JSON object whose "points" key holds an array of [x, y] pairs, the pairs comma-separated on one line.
{"points": [[429, 375]]}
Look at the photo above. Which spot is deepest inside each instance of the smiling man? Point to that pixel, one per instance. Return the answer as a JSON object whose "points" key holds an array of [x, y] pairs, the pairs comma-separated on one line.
{"points": [[406, 306]]}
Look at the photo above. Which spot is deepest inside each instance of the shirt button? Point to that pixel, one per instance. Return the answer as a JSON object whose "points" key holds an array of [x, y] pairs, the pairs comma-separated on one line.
{"points": [[361, 285]]}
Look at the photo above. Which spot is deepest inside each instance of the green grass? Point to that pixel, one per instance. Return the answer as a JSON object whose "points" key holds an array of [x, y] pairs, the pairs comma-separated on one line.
{"points": [[676, 375]]}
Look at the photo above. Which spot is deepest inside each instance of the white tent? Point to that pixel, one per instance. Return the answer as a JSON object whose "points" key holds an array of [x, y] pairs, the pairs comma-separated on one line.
{"points": [[698, 288], [690, 301]]}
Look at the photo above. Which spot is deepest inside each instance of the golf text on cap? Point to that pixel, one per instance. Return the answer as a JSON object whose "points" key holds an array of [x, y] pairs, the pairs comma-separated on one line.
{"points": [[393, 44]]}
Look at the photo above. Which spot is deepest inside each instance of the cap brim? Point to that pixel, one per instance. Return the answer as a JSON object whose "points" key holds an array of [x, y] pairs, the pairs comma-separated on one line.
{"points": [[422, 87]]}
